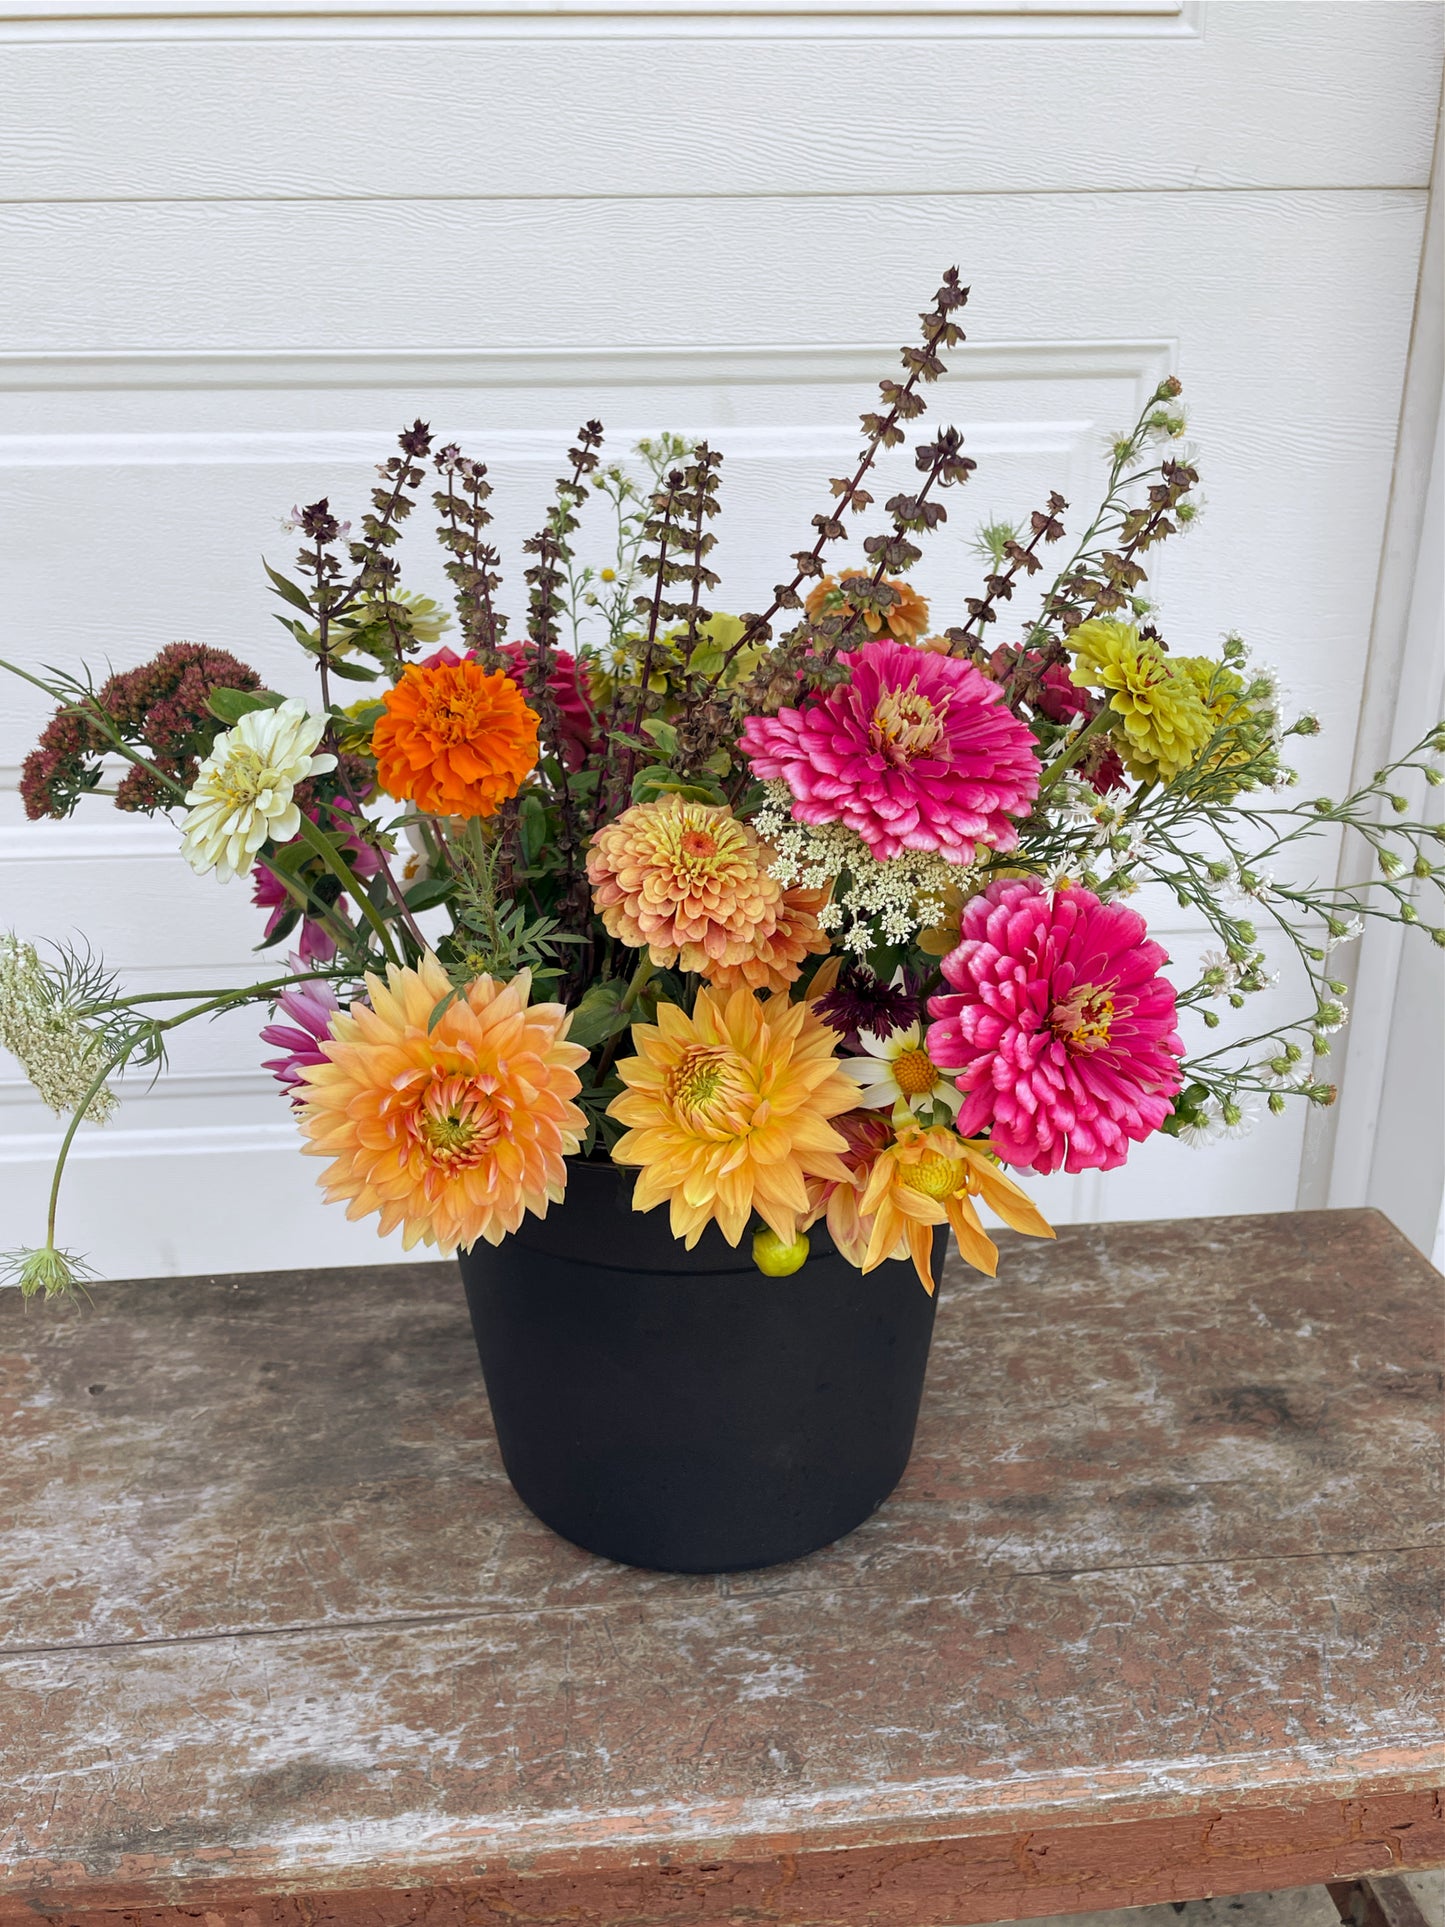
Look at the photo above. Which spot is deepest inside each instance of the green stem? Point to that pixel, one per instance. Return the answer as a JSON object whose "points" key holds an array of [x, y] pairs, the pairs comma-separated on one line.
{"points": [[320, 845], [112, 1064], [1064, 763]]}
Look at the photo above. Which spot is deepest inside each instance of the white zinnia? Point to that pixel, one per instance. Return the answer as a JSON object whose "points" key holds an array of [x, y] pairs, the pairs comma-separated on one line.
{"points": [[245, 789]]}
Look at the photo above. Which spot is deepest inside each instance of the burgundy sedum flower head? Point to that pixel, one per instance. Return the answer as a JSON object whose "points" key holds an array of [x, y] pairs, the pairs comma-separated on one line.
{"points": [[1059, 1027], [916, 752], [160, 707]]}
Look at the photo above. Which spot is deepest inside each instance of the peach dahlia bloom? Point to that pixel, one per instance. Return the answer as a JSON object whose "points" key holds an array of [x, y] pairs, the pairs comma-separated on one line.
{"points": [[728, 1113], [686, 881], [451, 1133]]}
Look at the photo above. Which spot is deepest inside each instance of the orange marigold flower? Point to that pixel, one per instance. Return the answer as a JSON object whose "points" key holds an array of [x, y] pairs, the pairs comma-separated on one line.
{"points": [[456, 738], [686, 881], [929, 1178], [451, 1133], [905, 621], [778, 954], [729, 1111]]}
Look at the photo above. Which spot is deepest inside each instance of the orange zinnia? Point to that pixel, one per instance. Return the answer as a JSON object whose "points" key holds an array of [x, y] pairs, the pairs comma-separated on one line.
{"points": [[456, 738], [450, 1130], [905, 620], [929, 1178]]}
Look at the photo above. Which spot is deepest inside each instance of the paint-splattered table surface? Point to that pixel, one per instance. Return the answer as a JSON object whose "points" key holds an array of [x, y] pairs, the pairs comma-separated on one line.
{"points": [[1153, 1614]]}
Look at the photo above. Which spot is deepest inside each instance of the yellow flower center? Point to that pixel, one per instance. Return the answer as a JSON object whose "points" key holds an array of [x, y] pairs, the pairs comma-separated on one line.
{"points": [[936, 1177], [1082, 1020], [705, 1088], [457, 1123], [244, 776], [905, 724], [914, 1072]]}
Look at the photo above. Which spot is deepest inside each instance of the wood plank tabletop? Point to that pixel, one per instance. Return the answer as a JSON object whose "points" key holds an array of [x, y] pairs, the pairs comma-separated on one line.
{"points": [[1154, 1614]]}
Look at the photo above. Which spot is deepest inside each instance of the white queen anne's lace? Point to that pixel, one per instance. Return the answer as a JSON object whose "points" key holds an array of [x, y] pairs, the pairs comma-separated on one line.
{"points": [[872, 903], [54, 1044]]}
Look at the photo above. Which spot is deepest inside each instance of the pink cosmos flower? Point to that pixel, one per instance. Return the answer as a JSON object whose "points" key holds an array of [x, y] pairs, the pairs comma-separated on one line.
{"points": [[915, 752], [1059, 1028], [311, 1008]]}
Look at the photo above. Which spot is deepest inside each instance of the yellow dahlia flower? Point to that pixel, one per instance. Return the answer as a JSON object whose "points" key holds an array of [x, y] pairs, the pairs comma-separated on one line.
{"points": [[686, 881], [451, 1133], [728, 1112], [1165, 723], [928, 1178]]}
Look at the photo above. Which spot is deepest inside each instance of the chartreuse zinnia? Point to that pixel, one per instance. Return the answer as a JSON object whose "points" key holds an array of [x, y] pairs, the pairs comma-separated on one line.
{"points": [[1165, 723]]}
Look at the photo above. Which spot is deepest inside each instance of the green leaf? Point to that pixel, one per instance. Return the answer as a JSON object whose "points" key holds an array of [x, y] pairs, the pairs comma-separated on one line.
{"points": [[288, 591], [352, 671], [658, 780], [440, 1009], [599, 1015], [429, 892], [288, 923], [662, 733], [230, 705]]}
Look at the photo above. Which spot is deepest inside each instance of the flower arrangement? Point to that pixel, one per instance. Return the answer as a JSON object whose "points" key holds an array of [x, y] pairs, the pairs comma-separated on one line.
{"points": [[814, 915]]}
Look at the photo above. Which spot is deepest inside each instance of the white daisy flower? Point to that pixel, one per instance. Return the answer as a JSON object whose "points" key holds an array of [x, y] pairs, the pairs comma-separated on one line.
{"points": [[245, 790], [1208, 1129], [898, 1070]]}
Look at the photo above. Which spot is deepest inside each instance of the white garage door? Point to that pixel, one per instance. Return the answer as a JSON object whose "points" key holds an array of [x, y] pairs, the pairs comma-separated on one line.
{"points": [[243, 244]]}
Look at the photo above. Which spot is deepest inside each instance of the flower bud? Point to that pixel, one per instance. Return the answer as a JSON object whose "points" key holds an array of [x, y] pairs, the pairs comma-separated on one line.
{"points": [[1277, 1102], [778, 1260]]}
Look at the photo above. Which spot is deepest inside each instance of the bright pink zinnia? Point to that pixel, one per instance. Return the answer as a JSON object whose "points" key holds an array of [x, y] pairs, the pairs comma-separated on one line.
{"points": [[915, 752], [311, 1007], [1060, 1028]]}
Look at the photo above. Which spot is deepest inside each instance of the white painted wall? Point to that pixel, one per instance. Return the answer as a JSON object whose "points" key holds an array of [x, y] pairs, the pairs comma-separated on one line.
{"points": [[241, 246]]}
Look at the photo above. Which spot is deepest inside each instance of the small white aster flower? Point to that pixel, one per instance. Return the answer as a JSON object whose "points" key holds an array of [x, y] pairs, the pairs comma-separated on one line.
{"points": [[1208, 1129], [898, 1070], [245, 790]]}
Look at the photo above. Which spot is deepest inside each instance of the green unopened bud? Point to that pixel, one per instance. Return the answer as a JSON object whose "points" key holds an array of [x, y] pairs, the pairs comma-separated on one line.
{"points": [[1323, 805], [1334, 985], [1231, 1112], [1408, 913], [1390, 863], [1236, 999], [1322, 1094], [1305, 726], [1277, 1102], [1321, 1044], [1328, 1014], [1399, 804], [1219, 869], [778, 1260], [1280, 1066], [1315, 956], [1211, 1019], [1434, 778], [1438, 937], [1292, 1053], [1248, 933], [1422, 866]]}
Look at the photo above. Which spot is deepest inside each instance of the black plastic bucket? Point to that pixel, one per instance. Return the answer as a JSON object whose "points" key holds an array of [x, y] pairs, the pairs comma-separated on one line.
{"points": [[678, 1410]]}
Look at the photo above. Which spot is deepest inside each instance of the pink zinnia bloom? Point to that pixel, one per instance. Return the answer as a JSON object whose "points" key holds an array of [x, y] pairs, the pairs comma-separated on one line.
{"points": [[915, 752], [1060, 1028], [311, 1008]]}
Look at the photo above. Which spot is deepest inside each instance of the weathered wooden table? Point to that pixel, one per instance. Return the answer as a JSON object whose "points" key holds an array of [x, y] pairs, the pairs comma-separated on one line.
{"points": [[1153, 1615]]}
